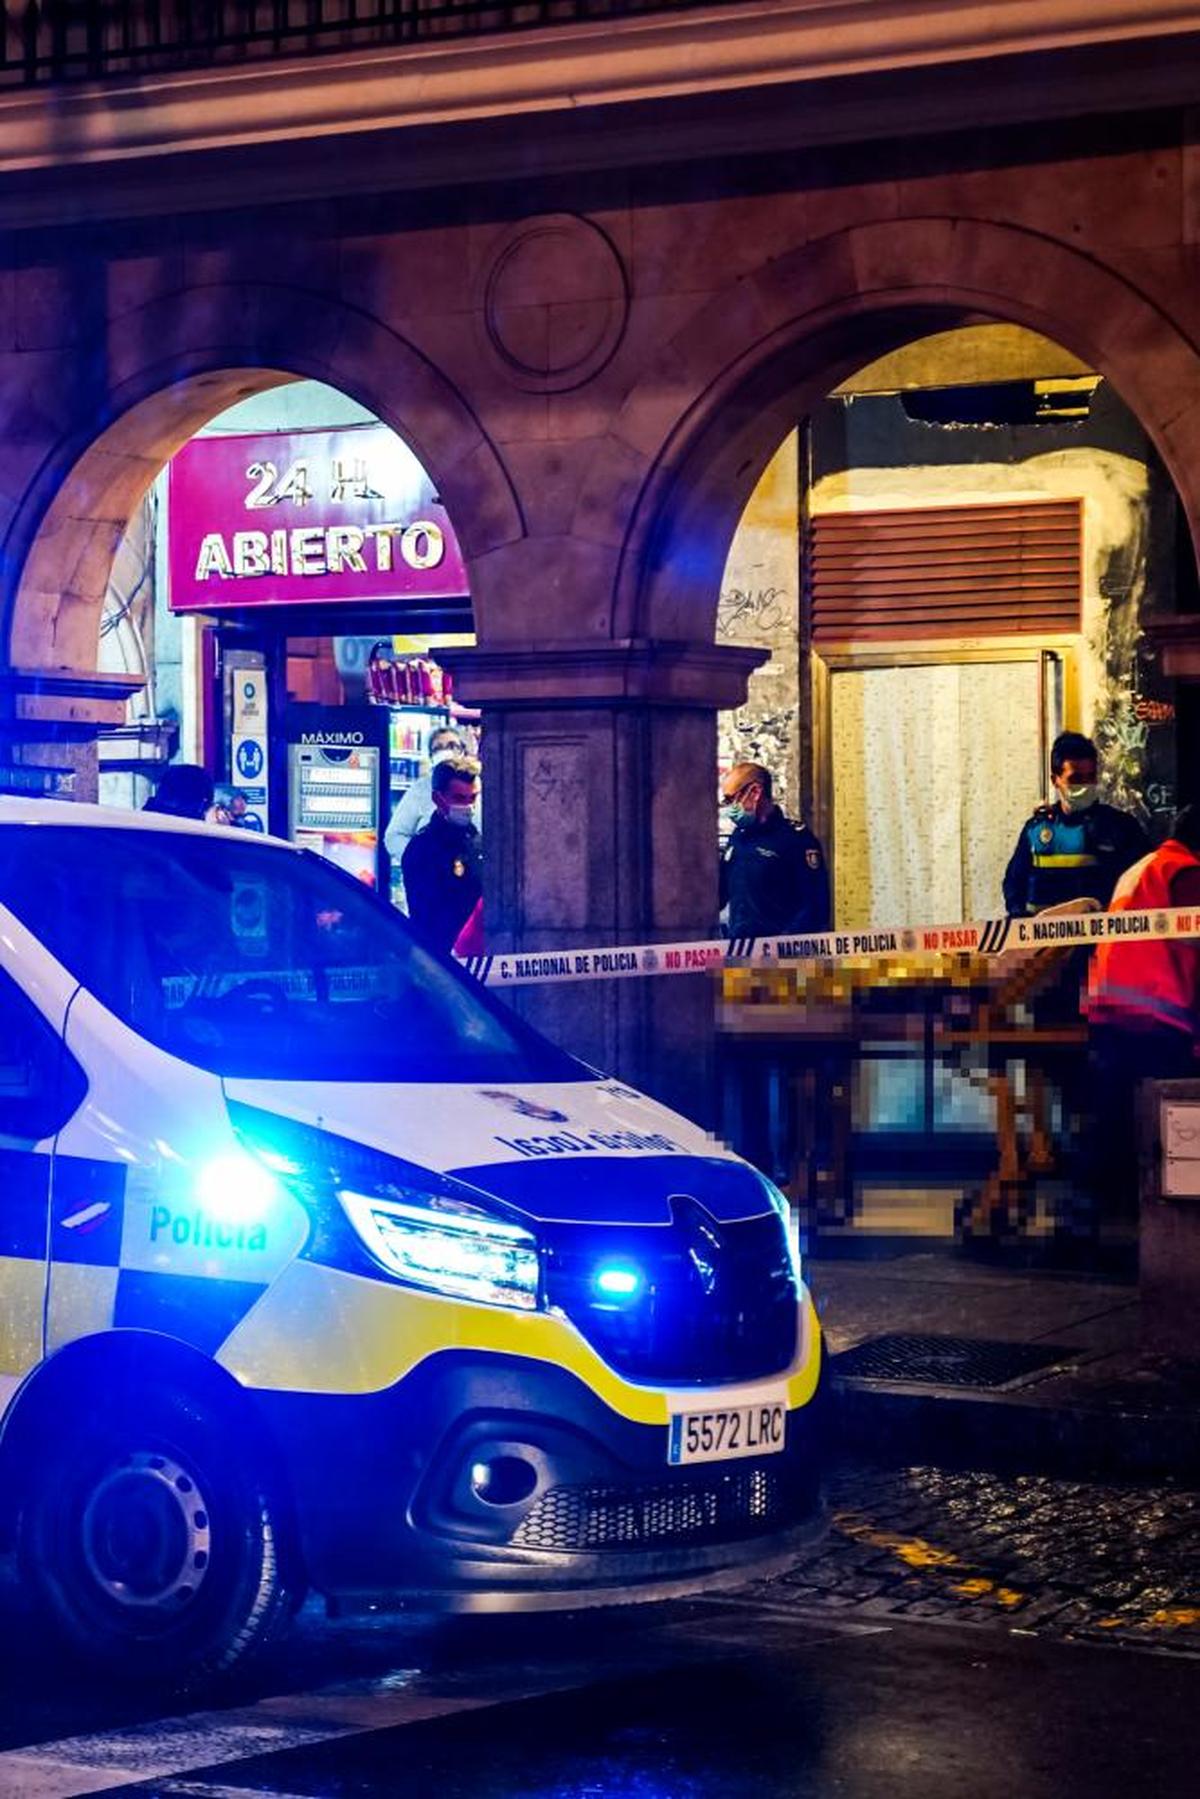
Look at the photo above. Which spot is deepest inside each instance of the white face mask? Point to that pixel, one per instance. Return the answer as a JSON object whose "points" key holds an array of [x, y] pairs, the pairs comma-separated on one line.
{"points": [[445, 754], [461, 815], [1078, 799]]}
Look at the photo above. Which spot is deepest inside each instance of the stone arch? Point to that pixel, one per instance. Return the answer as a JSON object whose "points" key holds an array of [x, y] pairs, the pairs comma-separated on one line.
{"points": [[694, 435], [168, 367]]}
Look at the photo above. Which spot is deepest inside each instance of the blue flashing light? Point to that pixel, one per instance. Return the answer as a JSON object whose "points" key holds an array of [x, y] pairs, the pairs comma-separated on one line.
{"points": [[617, 1280], [235, 1189]]}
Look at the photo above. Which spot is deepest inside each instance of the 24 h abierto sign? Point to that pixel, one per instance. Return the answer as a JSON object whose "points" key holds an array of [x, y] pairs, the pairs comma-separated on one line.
{"points": [[305, 517]]}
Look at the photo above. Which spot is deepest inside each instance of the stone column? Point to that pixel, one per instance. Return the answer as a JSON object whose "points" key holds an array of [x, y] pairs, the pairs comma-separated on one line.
{"points": [[49, 722], [601, 779]]}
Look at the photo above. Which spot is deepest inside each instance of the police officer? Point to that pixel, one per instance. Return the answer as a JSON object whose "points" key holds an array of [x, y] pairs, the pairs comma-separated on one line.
{"points": [[773, 874], [443, 864], [416, 807], [1076, 848]]}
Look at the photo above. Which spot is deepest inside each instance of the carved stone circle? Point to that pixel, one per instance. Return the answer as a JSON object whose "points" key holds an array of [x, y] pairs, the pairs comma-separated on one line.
{"points": [[555, 302]]}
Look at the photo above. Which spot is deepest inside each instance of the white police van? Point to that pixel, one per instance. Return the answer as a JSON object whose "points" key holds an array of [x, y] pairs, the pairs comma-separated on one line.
{"points": [[319, 1268]]}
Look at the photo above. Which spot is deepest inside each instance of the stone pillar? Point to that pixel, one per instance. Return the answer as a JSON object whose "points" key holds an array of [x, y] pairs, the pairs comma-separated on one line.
{"points": [[600, 773], [49, 722]]}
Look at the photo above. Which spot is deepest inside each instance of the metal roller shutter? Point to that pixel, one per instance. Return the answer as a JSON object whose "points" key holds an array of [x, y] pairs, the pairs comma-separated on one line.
{"points": [[946, 572]]}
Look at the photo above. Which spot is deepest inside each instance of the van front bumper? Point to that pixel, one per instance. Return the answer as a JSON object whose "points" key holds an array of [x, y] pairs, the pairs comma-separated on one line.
{"points": [[389, 1511]]}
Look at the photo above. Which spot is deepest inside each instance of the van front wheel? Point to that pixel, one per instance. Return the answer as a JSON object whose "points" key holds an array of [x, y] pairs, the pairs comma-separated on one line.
{"points": [[150, 1542]]}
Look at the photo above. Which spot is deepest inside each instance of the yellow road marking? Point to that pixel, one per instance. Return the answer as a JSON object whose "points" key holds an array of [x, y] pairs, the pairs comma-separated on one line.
{"points": [[1167, 1617], [914, 1551], [1172, 1617], [919, 1553], [988, 1589], [925, 1557]]}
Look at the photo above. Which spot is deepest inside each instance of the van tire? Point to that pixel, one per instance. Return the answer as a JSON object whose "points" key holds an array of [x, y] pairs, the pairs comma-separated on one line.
{"points": [[150, 1541]]}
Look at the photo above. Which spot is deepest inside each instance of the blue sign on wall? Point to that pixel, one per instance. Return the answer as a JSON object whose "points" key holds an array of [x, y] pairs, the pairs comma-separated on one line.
{"points": [[249, 759]]}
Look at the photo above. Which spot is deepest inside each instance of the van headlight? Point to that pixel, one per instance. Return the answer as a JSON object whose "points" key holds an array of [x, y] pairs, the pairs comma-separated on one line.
{"points": [[451, 1249], [369, 1210]]}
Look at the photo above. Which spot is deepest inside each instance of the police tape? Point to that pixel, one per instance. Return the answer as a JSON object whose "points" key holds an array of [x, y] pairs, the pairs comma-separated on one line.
{"points": [[990, 937]]}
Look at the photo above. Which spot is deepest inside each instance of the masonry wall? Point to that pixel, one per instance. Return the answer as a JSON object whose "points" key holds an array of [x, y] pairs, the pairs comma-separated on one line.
{"points": [[596, 369]]}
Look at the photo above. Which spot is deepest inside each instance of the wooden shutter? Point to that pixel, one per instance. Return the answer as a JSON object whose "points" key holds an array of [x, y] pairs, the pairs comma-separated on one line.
{"points": [[947, 571]]}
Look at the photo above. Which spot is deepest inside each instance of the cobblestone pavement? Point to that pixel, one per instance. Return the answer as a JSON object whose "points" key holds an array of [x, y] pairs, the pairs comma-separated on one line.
{"points": [[1052, 1557]]}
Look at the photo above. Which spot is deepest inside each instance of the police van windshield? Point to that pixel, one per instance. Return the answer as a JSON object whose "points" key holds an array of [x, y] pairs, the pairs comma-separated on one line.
{"points": [[257, 962]]}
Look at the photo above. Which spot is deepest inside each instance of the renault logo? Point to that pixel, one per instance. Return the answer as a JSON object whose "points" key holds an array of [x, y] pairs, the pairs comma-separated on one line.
{"points": [[704, 1244]]}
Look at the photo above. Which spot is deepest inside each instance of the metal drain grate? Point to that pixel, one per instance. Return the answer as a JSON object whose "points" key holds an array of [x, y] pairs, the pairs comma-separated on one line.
{"points": [[947, 1361]]}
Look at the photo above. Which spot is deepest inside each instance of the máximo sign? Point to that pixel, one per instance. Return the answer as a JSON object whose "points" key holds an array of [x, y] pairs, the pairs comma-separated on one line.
{"points": [[299, 517]]}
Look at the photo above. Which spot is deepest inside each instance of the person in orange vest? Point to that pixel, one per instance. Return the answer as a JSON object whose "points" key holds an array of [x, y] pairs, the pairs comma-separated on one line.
{"points": [[1143, 999], [1143, 1010]]}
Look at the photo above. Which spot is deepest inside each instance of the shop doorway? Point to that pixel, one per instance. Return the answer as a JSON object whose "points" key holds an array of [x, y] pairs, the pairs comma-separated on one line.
{"points": [[961, 552], [947, 568], [283, 592]]}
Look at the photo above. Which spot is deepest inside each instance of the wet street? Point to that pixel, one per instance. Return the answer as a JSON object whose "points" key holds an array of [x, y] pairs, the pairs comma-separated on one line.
{"points": [[959, 1634]]}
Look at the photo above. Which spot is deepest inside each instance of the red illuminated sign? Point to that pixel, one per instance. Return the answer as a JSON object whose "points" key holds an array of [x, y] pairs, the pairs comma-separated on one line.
{"points": [[306, 517]]}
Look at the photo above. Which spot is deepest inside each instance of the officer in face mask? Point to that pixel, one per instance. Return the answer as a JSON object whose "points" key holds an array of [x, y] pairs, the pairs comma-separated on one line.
{"points": [[1076, 848], [443, 864], [773, 875], [416, 807]]}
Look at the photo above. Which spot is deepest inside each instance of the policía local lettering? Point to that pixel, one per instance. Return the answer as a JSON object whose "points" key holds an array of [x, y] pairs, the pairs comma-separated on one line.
{"points": [[576, 1143], [320, 550], [196, 1230]]}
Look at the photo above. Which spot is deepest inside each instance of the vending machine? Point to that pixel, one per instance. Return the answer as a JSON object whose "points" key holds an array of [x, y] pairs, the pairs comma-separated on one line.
{"points": [[338, 786]]}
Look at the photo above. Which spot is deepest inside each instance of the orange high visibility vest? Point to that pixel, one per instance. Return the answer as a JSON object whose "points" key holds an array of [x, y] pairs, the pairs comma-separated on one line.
{"points": [[1156, 982]]}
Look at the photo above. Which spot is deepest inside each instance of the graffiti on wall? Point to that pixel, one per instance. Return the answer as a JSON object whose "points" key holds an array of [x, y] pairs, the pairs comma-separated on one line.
{"points": [[1135, 714], [760, 606]]}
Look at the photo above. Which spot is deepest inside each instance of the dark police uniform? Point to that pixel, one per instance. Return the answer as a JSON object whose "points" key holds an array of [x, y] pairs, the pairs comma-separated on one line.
{"points": [[1063, 856], [443, 879], [774, 879]]}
